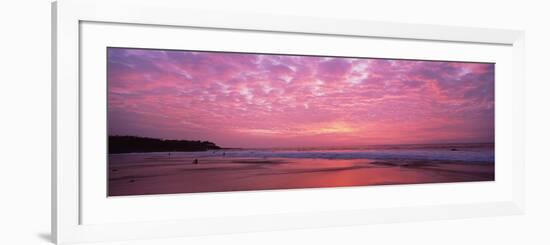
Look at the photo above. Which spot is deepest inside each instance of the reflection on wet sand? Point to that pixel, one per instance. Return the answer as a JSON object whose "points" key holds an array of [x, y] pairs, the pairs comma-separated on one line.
{"points": [[139, 174]]}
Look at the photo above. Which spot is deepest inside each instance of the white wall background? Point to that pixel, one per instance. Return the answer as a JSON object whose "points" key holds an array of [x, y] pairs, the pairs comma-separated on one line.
{"points": [[25, 122]]}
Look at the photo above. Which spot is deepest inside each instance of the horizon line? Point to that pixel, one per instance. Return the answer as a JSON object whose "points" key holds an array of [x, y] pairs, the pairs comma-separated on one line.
{"points": [[311, 147]]}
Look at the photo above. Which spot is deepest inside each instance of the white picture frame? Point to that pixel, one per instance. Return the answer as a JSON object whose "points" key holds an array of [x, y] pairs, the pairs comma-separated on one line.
{"points": [[67, 200]]}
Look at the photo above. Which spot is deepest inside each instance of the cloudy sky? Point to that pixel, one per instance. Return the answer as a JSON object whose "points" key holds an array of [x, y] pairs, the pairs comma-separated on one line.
{"points": [[256, 100]]}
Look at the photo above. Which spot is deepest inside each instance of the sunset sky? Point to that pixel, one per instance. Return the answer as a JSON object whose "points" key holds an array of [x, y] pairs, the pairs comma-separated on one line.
{"points": [[255, 100]]}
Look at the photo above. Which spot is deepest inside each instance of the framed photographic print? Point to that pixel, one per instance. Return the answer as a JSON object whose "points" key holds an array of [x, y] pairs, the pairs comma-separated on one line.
{"points": [[169, 124], [200, 121]]}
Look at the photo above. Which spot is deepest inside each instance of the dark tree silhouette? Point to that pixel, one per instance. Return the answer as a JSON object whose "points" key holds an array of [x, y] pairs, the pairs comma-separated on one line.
{"points": [[128, 144]]}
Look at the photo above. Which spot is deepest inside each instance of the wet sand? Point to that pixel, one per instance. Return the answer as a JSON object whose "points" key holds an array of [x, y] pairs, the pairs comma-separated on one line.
{"points": [[136, 174]]}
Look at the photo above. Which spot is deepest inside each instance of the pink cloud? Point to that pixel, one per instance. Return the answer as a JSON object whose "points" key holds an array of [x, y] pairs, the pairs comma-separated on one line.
{"points": [[254, 100]]}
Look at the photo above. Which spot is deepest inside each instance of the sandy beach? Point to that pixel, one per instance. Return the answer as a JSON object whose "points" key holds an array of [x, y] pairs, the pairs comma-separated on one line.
{"points": [[163, 173]]}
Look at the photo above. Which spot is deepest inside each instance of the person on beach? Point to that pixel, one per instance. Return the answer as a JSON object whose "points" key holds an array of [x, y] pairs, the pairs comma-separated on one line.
{"points": [[196, 161]]}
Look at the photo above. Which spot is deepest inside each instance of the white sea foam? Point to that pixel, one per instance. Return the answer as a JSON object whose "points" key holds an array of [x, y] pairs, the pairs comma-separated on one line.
{"points": [[469, 156], [465, 154]]}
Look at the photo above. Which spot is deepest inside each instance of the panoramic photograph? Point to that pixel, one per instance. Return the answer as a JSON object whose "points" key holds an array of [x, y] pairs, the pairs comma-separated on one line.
{"points": [[187, 121]]}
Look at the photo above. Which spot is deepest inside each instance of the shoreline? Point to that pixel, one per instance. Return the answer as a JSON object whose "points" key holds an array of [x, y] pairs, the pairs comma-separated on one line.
{"points": [[138, 175]]}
